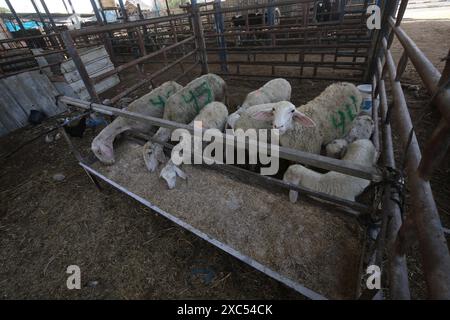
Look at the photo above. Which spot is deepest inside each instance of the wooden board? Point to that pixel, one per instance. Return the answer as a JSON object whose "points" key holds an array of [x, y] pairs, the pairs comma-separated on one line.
{"points": [[301, 243]]}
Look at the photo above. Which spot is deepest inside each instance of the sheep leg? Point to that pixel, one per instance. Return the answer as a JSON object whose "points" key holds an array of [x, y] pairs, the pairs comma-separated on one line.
{"points": [[153, 153], [292, 177]]}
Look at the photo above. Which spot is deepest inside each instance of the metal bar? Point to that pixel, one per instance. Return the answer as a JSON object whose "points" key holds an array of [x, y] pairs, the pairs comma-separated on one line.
{"points": [[438, 146], [97, 13], [343, 65], [261, 77], [128, 25], [16, 17], [33, 3], [4, 75], [147, 80], [432, 243], [123, 10], [49, 15], [346, 167], [427, 71], [435, 150], [102, 11], [199, 38], [139, 60], [71, 6], [397, 268], [218, 19], [265, 181], [73, 53], [65, 6]]}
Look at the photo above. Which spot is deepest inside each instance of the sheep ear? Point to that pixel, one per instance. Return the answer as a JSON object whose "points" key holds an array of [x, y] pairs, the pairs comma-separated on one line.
{"points": [[180, 173], [263, 115], [303, 119]]}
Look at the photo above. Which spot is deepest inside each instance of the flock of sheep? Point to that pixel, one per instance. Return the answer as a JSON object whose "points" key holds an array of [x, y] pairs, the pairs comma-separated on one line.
{"points": [[332, 121]]}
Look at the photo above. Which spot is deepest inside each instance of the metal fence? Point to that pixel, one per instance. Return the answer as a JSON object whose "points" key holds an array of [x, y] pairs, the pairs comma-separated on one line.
{"points": [[335, 45]]}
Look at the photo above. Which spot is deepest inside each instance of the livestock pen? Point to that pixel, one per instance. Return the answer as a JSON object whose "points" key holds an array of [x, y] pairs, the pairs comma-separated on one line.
{"points": [[287, 242]]}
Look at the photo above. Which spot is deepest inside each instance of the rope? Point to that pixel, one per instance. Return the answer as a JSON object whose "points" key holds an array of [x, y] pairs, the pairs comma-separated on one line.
{"points": [[396, 180]]}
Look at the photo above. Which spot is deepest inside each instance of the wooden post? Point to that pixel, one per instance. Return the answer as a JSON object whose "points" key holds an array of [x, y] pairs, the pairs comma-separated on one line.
{"points": [[199, 36], [73, 53], [16, 17]]}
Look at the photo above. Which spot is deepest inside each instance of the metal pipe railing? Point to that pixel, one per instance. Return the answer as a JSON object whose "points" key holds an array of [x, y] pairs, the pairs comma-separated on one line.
{"points": [[432, 242], [397, 268]]}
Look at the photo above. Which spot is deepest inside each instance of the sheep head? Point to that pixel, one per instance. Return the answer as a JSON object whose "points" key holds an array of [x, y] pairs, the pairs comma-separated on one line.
{"points": [[283, 115], [103, 151]]}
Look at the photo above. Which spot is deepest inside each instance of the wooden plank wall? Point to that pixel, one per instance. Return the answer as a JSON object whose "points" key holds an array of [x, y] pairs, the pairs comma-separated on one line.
{"points": [[97, 62], [19, 94]]}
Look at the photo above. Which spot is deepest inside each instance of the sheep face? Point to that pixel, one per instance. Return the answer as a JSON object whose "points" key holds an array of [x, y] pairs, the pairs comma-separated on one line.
{"points": [[283, 116], [104, 152]]}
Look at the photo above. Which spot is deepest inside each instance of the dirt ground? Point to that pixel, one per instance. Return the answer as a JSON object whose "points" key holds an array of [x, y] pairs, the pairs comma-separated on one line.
{"points": [[124, 250]]}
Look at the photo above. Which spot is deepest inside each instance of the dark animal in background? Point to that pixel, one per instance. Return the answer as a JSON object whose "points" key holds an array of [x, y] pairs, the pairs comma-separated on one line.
{"points": [[255, 19], [328, 10], [76, 128], [36, 117]]}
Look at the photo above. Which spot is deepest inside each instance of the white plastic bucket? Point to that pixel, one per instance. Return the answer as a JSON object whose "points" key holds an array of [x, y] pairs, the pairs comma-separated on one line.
{"points": [[366, 91]]}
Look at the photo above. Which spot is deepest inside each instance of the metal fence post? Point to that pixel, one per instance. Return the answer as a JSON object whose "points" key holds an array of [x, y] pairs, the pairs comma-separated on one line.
{"points": [[73, 53], [220, 29], [199, 36]]}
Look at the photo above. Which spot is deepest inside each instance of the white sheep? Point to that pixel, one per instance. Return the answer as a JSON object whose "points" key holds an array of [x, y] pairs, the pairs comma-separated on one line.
{"points": [[334, 183], [212, 116], [152, 104], [320, 121], [183, 107], [336, 148], [361, 128], [275, 90]]}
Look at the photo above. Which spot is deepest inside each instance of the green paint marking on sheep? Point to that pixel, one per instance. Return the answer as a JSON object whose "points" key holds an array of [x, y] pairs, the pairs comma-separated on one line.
{"points": [[159, 102], [355, 104], [347, 115], [169, 93], [341, 123], [350, 114], [197, 94]]}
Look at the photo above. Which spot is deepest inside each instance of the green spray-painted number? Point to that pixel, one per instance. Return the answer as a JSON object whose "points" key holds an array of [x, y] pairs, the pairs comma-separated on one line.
{"points": [[345, 116], [158, 102], [350, 114], [169, 93], [355, 104], [196, 95], [339, 123]]}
